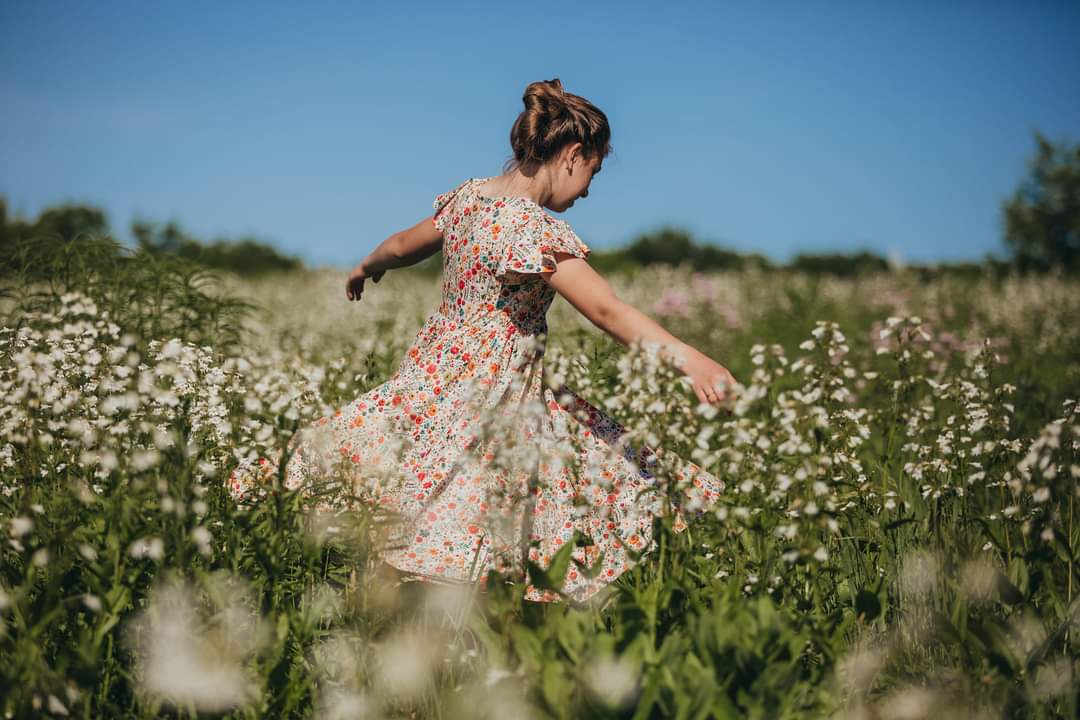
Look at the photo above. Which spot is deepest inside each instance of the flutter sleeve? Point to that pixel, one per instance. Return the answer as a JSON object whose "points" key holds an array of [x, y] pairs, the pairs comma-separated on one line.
{"points": [[444, 207], [532, 246]]}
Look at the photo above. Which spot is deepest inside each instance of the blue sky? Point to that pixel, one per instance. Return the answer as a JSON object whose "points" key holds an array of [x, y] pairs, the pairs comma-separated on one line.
{"points": [[325, 127]]}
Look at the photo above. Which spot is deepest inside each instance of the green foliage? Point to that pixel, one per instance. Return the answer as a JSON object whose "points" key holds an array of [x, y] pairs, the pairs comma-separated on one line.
{"points": [[146, 295], [674, 246], [31, 246], [67, 221], [244, 256], [840, 264], [1042, 218]]}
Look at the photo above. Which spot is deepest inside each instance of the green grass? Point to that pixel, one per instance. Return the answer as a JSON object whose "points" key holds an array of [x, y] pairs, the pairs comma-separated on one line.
{"points": [[897, 537]]}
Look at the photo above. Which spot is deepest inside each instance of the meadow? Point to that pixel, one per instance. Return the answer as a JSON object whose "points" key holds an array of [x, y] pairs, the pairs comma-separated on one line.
{"points": [[897, 536]]}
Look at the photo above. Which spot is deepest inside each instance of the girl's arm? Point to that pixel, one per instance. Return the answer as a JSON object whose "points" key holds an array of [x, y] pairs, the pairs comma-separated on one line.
{"points": [[587, 291], [405, 248], [401, 249]]}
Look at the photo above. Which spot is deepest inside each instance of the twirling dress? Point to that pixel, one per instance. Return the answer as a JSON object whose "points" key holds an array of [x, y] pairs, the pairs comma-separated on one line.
{"points": [[482, 463]]}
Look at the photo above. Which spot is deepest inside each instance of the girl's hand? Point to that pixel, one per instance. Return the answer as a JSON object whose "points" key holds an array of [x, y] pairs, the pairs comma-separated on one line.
{"points": [[712, 381], [354, 286]]}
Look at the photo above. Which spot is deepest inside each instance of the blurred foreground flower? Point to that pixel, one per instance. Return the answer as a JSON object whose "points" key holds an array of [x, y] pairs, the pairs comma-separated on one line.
{"points": [[338, 704], [406, 662], [613, 680], [193, 654]]}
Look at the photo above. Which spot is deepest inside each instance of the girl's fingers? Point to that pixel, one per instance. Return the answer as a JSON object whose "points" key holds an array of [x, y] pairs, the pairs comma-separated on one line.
{"points": [[700, 393], [353, 288], [707, 396]]}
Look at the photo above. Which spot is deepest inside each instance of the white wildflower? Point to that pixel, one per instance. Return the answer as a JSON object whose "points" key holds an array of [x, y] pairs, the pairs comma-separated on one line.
{"points": [[21, 526], [613, 681], [150, 547]]}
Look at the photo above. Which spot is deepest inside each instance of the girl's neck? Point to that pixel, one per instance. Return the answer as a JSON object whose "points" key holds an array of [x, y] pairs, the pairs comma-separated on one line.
{"points": [[516, 184]]}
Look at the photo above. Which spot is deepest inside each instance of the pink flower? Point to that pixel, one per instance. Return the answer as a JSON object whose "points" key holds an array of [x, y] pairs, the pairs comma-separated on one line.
{"points": [[673, 302]]}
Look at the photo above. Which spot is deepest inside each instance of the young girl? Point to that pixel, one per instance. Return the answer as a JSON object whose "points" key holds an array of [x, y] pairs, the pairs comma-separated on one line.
{"points": [[468, 395]]}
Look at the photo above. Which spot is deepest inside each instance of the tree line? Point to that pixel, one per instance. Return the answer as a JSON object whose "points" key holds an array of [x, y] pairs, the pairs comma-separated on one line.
{"points": [[1041, 229], [72, 223]]}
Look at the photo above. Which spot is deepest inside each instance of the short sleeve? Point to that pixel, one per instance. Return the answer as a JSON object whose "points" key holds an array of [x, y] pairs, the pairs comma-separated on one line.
{"points": [[534, 244], [444, 207]]}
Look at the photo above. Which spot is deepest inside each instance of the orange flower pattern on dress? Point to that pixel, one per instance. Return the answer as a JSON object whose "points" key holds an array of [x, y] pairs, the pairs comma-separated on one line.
{"points": [[427, 445]]}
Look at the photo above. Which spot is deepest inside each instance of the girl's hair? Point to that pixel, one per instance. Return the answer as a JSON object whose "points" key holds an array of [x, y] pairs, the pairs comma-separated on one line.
{"points": [[552, 119]]}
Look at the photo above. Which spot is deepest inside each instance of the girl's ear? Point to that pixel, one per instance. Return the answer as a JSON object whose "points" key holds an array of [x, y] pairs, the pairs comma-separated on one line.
{"points": [[570, 154], [575, 154]]}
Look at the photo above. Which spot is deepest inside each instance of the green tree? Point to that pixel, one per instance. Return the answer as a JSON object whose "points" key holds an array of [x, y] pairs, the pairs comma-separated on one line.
{"points": [[668, 246], [25, 245], [245, 256], [1042, 218], [71, 222], [672, 246], [168, 239], [68, 222], [843, 264]]}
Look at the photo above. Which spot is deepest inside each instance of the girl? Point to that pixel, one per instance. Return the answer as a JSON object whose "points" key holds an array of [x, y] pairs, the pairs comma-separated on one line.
{"points": [[489, 467]]}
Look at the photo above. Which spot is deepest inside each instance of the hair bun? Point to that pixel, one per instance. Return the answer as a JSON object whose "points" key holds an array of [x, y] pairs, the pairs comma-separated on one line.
{"points": [[553, 118], [545, 96]]}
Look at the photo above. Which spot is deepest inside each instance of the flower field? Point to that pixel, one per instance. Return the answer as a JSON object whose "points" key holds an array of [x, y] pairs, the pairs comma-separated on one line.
{"points": [[897, 537]]}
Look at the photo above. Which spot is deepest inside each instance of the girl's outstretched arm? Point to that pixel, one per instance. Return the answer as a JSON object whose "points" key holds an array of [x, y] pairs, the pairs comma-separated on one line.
{"points": [[593, 297], [401, 249]]}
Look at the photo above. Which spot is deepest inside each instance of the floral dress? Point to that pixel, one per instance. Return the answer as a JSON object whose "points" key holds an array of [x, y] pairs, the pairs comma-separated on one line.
{"points": [[479, 461]]}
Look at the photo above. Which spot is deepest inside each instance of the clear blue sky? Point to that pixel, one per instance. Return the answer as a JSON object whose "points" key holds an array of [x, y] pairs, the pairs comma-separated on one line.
{"points": [[325, 127]]}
